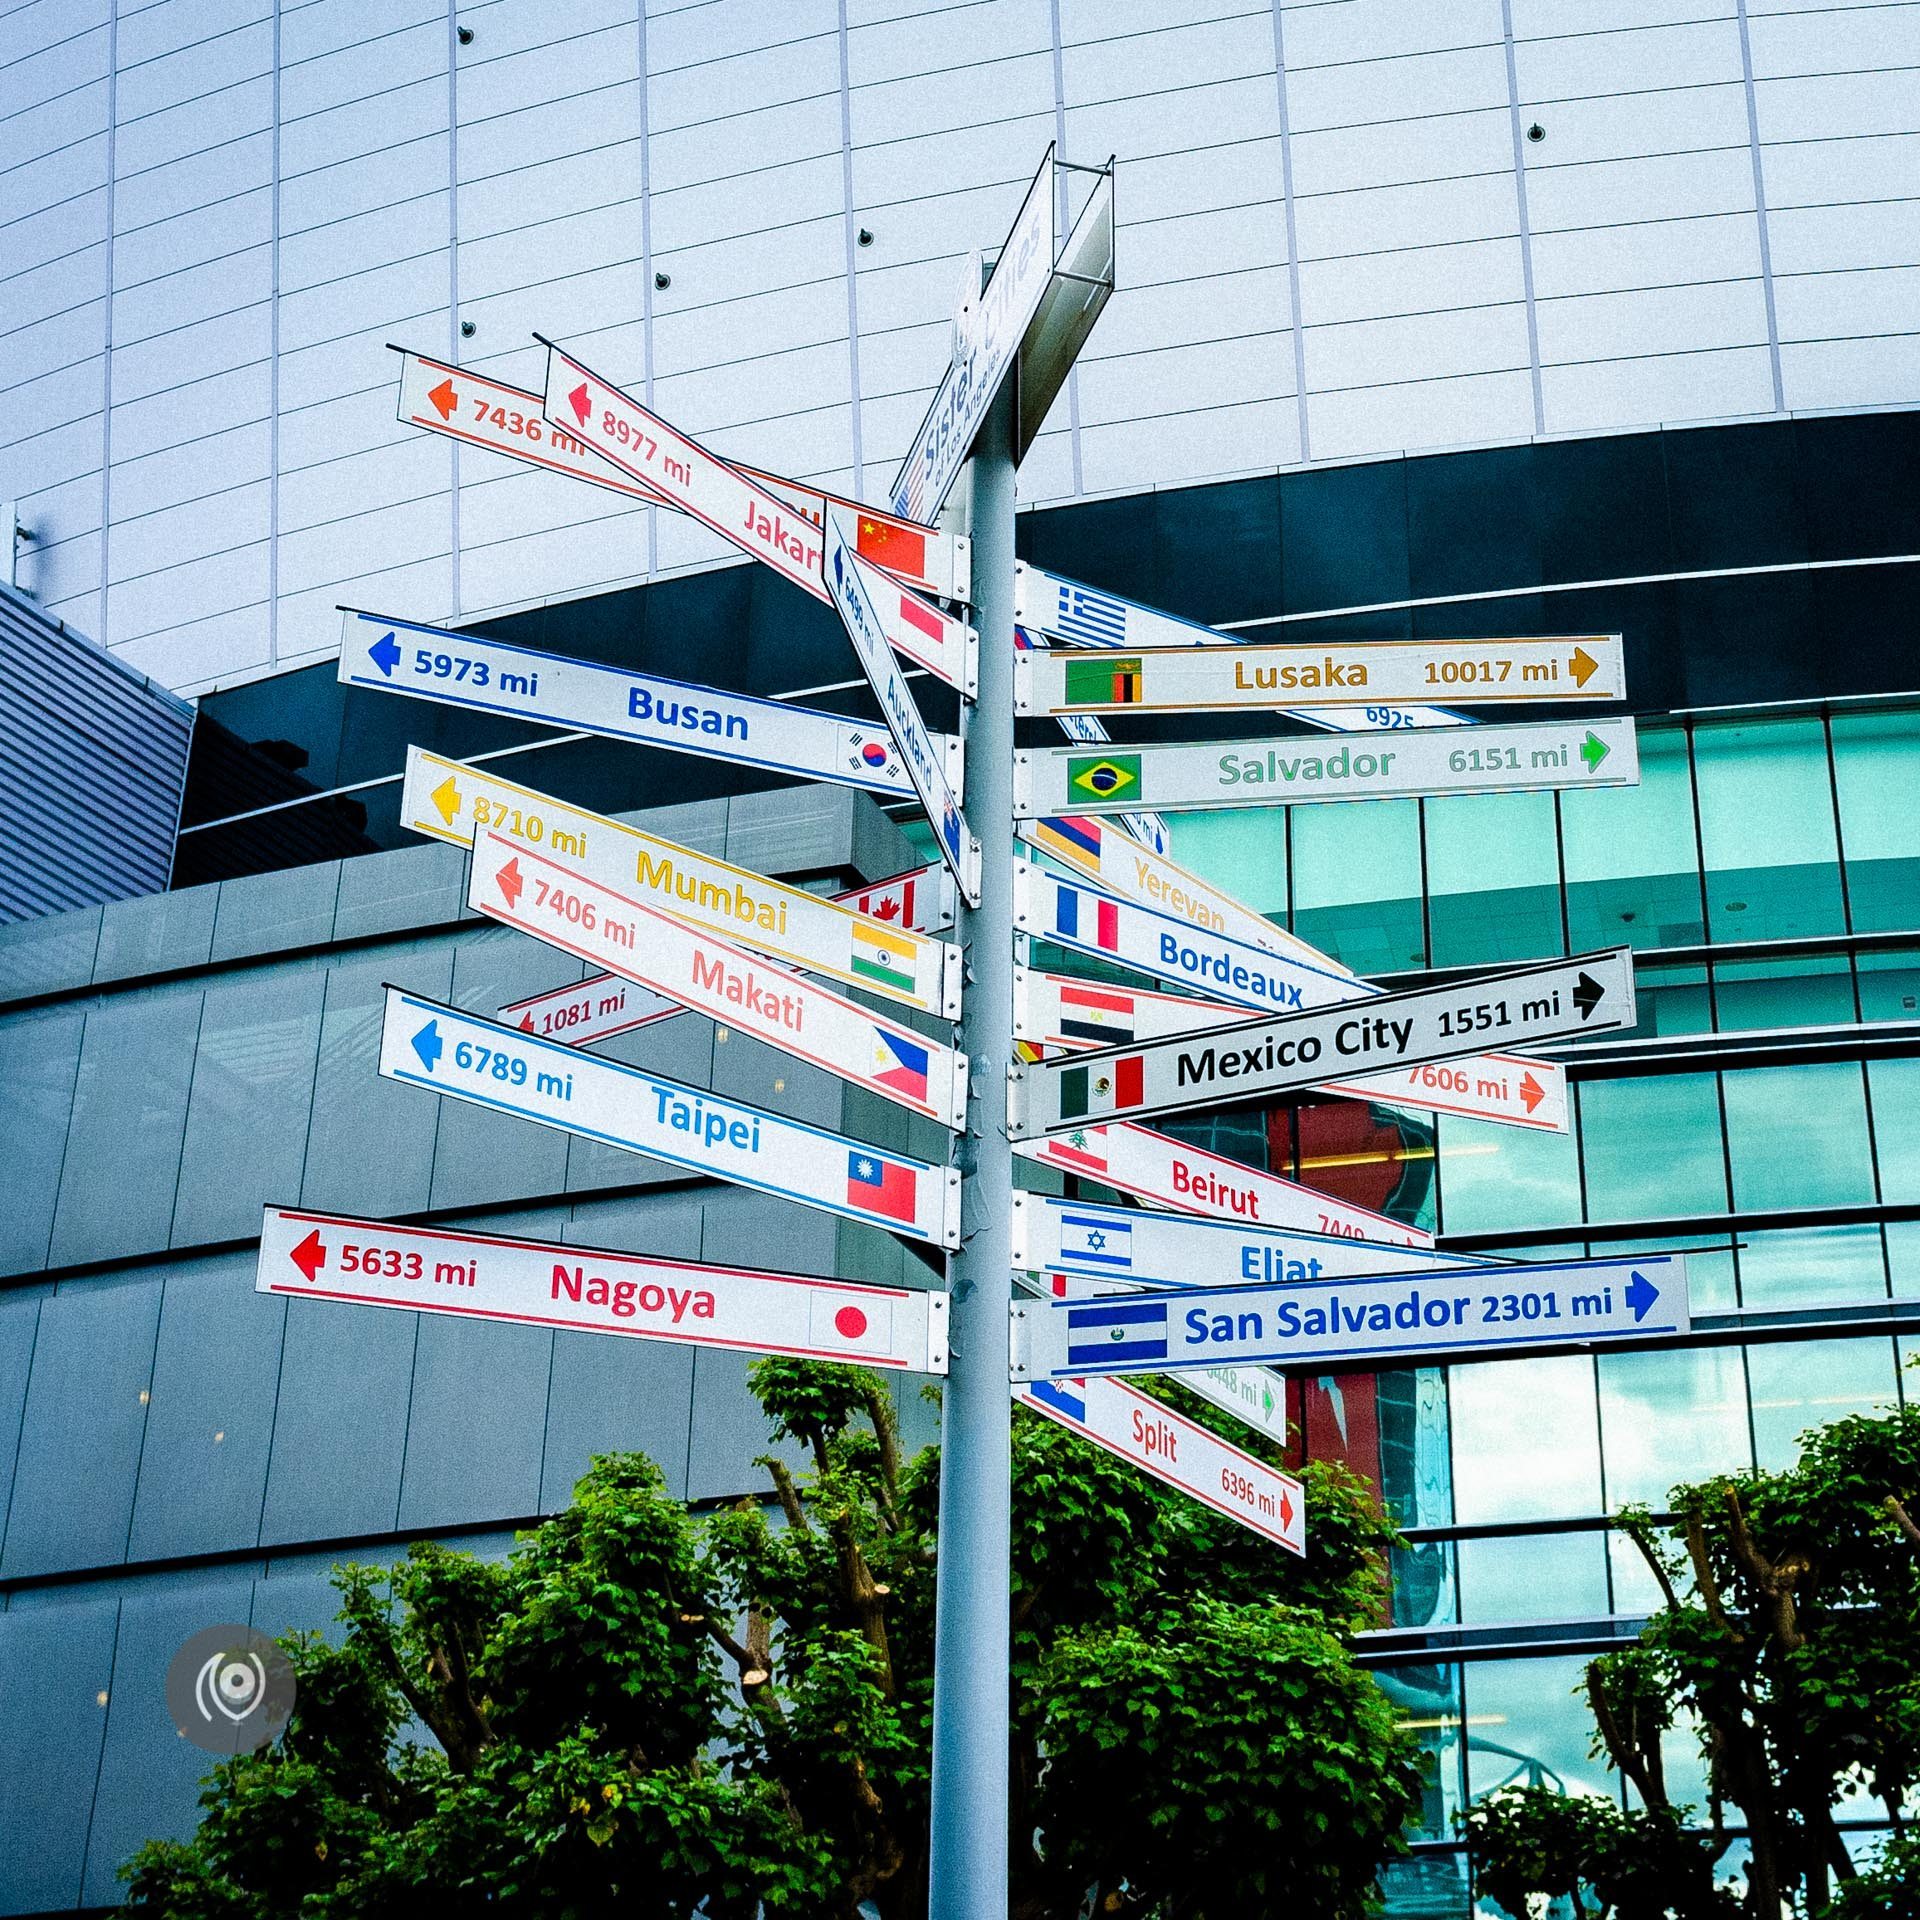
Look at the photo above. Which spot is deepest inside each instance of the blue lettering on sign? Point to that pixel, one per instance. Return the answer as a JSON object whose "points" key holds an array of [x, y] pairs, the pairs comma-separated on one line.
{"points": [[644, 704], [1191, 963], [701, 1122]]}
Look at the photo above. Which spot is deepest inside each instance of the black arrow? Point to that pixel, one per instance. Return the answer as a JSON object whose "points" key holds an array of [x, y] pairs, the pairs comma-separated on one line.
{"points": [[1587, 994]]}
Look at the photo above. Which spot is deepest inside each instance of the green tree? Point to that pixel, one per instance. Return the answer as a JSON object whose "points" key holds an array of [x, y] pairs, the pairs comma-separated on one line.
{"points": [[645, 1712], [1789, 1639]]}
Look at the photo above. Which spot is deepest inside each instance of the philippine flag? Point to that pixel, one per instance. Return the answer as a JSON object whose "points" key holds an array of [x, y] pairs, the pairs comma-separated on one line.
{"points": [[1086, 920], [899, 1064], [876, 1184]]}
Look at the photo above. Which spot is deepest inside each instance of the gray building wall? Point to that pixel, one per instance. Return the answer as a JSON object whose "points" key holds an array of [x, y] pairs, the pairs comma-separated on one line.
{"points": [[177, 1449]]}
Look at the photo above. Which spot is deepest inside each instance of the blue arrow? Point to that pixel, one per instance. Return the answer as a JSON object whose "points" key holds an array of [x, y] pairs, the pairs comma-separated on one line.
{"points": [[428, 1045], [1640, 1294], [385, 653]]}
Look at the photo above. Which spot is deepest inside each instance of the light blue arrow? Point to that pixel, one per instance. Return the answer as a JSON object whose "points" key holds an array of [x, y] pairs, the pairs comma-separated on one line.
{"points": [[385, 653], [1640, 1293], [428, 1044]]}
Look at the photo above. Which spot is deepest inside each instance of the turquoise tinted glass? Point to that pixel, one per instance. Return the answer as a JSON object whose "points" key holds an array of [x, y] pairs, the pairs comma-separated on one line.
{"points": [[1652, 1147], [1494, 1176], [1671, 1417], [1797, 1136], [1895, 1088], [1766, 830], [1876, 766], [1633, 871], [1356, 883], [1243, 851], [1493, 879]]}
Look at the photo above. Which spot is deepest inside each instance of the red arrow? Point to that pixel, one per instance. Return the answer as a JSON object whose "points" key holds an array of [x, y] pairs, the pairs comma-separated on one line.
{"points": [[1531, 1092], [444, 399], [309, 1256], [510, 880], [526, 1023], [581, 401], [1286, 1509]]}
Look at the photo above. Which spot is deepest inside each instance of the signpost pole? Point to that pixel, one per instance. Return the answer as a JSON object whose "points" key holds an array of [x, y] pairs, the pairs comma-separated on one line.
{"points": [[968, 1855]]}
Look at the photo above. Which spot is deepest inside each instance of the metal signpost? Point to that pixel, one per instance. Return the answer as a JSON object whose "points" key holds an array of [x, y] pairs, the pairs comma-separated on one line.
{"points": [[1592, 993], [1324, 1325], [1296, 772], [487, 1276]]}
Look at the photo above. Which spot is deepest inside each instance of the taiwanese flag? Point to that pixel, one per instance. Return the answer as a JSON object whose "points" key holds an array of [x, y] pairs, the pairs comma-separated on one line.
{"points": [[893, 545], [899, 1064], [1100, 925], [1097, 1014], [876, 1184]]}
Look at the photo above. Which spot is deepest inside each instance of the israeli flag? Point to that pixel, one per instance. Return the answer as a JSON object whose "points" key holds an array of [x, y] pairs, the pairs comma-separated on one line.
{"points": [[1104, 1336], [1089, 1240]]}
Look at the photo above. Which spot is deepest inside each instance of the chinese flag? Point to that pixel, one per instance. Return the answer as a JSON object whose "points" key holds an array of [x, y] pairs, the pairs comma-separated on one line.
{"points": [[889, 544]]}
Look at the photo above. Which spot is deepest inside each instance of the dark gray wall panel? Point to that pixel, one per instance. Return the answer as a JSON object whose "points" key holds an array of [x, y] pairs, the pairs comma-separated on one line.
{"points": [[216, 1374], [476, 1422], [246, 1139], [391, 892], [85, 1418], [268, 912], [39, 1057], [46, 956], [19, 1322], [129, 1114], [56, 1660], [155, 934], [341, 1423]]}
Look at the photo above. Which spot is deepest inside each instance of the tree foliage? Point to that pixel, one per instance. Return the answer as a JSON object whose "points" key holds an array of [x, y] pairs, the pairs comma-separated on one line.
{"points": [[647, 1712], [1788, 1639]]}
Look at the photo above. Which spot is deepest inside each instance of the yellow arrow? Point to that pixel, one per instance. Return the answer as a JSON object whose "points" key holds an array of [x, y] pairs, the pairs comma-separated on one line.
{"points": [[446, 796], [1584, 666]]}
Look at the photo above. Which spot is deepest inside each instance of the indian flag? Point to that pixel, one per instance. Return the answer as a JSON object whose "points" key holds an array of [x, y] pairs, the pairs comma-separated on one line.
{"points": [[1106, 1086], [881, 955]]}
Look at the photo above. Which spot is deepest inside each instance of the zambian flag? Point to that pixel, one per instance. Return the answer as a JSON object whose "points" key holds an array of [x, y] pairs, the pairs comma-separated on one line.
{"points": [[1104, 776], [1104, 681]]}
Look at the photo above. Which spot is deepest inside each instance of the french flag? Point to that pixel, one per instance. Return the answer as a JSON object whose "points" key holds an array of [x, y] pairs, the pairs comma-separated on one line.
{"points": [[1100, 918]]}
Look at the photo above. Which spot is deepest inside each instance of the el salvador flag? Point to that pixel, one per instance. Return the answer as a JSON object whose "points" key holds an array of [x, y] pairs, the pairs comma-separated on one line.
{"points": [[1096, 1242], [1103, 1335]]}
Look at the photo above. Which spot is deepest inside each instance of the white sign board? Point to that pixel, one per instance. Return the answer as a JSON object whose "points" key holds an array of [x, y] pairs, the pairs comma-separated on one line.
{"points": [[467, 1058], [1052, 1010], [850, 585], [1298, 771], [1156, 1167], [989, 338], [1355, 673], [449, 800], [1110, 1245], [1329, 1325], [1555, 999], [493, 676], [1083, 616], [663, 953], [1148, 1433], [485, 1276], [603, 1005]]}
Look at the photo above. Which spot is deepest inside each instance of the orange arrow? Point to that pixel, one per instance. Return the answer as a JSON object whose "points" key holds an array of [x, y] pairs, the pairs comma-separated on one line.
{"points": [[1531, 1092], [446, 797], [444, 399], [510, 880], [309, 1256], [1583, 665]]}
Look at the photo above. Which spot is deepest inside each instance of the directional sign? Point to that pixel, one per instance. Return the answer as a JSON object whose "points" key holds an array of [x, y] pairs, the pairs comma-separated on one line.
{"points": [[994, 326], [1508, 1089], [721, 496], [485, 1276], [1077, 293], [1354, 673], [849, 581], [604, 1005], [492, 676], [661, 952], [1179, 1451], [467, 1058], [1323, 1325], [1083, 616], [1552, 1000], [448, 800], [474, 407], [1293, 772], [1158, 1168], [1109, 1245], [1251, 1394], [1090, 731]]}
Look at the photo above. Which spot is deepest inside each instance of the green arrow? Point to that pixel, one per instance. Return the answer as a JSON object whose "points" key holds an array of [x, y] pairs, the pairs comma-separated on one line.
{"points": [[1593, 750]]}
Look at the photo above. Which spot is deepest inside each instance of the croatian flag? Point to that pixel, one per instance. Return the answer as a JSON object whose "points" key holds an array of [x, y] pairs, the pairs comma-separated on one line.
{"points": [[1107, 1334], [1065, 1397]]}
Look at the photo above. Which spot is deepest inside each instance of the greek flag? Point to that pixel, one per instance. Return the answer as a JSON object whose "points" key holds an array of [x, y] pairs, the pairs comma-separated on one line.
{"points": [[1090, 619], [1105, 1336]]}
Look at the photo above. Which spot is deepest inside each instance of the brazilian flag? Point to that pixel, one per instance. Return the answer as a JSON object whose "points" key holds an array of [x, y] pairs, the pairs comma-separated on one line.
{"points": [[1104, 776]]}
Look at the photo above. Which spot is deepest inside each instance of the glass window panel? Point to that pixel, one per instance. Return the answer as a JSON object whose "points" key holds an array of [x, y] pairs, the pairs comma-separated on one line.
{"points": [[1903, 1258], [1528, 1725], [1812, 1266], [1426, 1886], [1427, 1702], [1670, 1417], [1809, 990], [1766, 830], [1889, 983], [39, 1056], [1651, 1147], [1633, 868], [1242, 850], [1526, 1442], [1635, 1591], [1665, 1000], [1543, 1576], [1356, 883], [1895, 1087], [1876, 757], [1800, 1384], [1710, 1284], [1493, 878], [1493, 1176], [1797, 1136], [1364, 1153]]}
